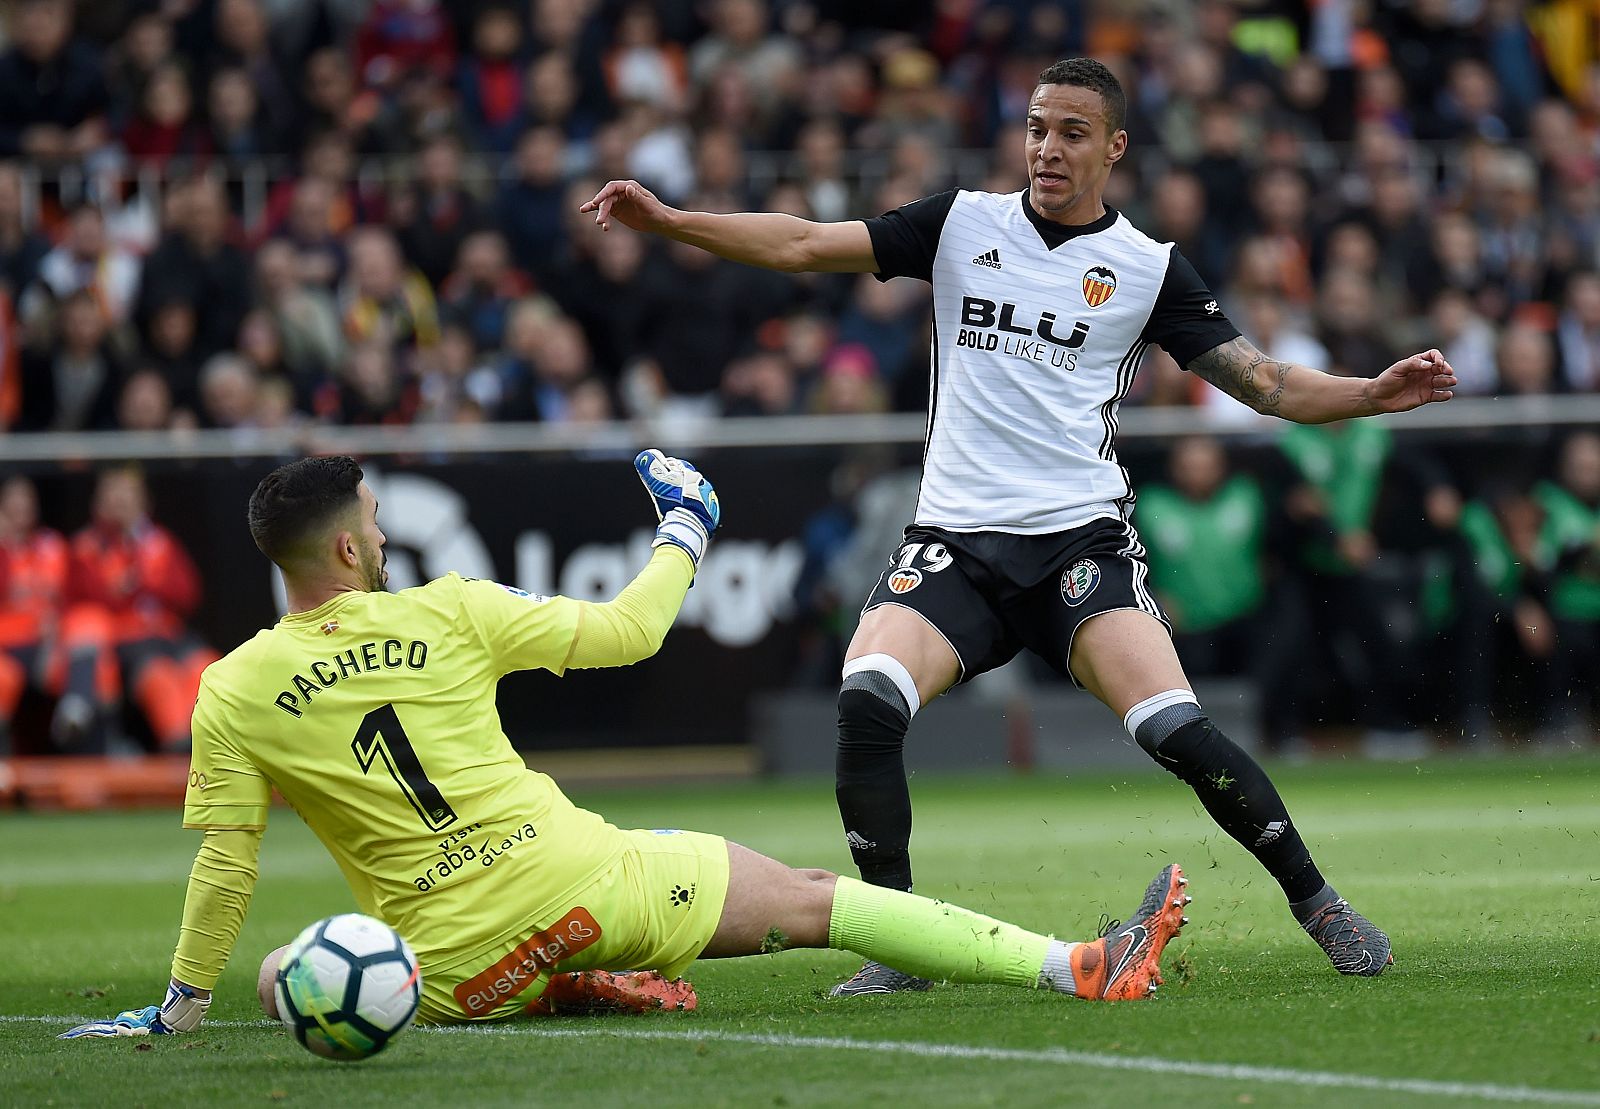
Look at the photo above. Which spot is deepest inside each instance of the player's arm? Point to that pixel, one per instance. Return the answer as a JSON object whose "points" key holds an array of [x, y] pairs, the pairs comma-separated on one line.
{"points": [[772, 240], [1307, 396], [227, 797], [526, 632]]}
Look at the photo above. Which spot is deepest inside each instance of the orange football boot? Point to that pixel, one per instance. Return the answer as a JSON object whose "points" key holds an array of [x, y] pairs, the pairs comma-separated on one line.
{"points": [[593, 992], [1124, 963]]}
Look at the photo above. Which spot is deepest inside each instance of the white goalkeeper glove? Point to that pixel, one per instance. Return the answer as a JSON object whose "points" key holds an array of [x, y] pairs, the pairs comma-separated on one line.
{"points": [[686, 505], [182, 1011]]}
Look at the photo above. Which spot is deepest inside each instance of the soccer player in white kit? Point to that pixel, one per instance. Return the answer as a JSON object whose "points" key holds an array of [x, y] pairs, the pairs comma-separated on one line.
{"points": [[1044, 301]]}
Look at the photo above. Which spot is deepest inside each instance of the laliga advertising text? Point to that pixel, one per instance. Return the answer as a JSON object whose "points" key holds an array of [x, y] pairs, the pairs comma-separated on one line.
{"points": [[742, 588]]}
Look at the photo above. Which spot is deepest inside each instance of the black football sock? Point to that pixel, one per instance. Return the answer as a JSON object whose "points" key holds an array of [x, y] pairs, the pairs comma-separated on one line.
{"points": [[1241, 799], [874, 800]]}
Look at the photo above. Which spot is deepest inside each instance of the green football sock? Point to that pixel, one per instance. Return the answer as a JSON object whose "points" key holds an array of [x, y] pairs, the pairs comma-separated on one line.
{"points": [[946, 942]]}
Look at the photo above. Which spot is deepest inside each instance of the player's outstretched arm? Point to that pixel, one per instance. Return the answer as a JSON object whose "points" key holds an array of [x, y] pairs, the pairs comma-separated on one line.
{"points": [[1308, 396], [772, 240], [631, 626], [220, 886]]}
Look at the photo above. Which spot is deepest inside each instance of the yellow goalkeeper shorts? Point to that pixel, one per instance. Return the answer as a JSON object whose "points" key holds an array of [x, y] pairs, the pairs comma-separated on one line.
{"points": [[656, 908]]}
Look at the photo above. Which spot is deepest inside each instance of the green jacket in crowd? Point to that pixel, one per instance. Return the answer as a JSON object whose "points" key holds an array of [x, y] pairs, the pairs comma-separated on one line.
{"points": [[1206, 556]]}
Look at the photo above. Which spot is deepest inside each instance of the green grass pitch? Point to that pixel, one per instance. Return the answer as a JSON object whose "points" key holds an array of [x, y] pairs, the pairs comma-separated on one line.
{"points": [[1486, 874]]}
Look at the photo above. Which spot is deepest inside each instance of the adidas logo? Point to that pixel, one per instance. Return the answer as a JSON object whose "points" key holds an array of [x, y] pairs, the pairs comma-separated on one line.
{"points": [[858, 842], [1272, 832], [989, 258]]}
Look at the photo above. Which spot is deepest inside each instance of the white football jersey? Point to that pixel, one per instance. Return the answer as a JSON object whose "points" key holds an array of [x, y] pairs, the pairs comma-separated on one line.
{"points": [[1038, 330]]}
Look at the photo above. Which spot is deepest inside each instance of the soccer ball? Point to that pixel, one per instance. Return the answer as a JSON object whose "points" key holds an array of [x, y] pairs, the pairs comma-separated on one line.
{"points": [[347, 986]]}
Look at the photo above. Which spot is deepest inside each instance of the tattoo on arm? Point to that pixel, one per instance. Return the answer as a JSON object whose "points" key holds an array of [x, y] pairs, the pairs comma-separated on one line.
{"points": [[1244, 373]]}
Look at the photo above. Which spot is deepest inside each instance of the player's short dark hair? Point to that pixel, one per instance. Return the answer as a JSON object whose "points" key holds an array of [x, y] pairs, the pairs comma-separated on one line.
{"points": [[1086, 73], [296, 501]]}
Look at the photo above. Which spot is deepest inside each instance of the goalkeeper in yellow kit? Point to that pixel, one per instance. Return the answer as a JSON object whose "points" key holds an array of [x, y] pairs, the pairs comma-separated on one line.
{"points": [[373, 714]]}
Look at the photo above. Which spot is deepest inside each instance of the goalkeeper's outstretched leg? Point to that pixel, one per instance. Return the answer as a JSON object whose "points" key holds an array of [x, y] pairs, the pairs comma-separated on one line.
{"points": [[770, 906]]}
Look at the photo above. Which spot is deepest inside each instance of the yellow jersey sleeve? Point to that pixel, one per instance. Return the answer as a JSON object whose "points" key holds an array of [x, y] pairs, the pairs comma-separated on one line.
{"points": [[521, 631], [225, 789]]}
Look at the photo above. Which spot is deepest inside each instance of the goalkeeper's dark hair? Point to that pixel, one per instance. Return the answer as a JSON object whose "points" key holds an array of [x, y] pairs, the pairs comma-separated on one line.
{"points": [[297, 501], [1086, 73]]}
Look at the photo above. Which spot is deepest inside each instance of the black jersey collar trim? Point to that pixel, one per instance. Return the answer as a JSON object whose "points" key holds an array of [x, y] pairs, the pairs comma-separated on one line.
{"points": [[1054, 234]]}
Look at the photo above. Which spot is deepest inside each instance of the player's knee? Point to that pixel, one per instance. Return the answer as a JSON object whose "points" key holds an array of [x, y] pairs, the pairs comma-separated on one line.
{"points": [[877, 700], [266, 979], [1155, 720]]}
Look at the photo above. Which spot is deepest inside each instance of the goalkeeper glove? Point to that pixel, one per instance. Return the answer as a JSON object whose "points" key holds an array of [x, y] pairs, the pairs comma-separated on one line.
{"points": [[182, 1011], [685, 503]]}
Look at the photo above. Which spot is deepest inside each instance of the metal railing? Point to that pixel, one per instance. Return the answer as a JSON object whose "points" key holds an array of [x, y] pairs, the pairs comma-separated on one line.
{"points": [[441, 440]]}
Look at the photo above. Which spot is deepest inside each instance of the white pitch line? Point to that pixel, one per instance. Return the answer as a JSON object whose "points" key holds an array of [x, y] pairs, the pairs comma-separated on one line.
{"points": [[1145, 1064]]}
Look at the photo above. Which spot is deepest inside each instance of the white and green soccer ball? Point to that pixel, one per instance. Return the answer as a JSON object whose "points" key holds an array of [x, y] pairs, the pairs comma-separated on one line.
{"points": [[347, 986]]}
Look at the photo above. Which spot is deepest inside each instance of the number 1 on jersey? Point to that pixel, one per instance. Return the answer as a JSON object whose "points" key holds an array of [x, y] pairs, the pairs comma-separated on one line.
{"points": [[381, 734]]}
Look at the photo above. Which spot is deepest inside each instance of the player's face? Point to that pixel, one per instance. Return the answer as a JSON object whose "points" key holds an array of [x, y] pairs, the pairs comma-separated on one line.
{"points": [[1070, 151], [374, 577]]}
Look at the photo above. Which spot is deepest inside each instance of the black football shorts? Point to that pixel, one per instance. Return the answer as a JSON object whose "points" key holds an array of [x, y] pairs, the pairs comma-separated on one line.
{"points": [[992, 594]]}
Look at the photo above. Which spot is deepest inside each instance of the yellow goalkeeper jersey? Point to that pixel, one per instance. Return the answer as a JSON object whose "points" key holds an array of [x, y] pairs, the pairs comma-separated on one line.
{"points": [[374, 716]]}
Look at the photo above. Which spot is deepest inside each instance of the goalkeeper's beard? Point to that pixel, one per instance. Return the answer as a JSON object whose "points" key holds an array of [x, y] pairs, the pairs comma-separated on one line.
{"points": [[374, 577]]}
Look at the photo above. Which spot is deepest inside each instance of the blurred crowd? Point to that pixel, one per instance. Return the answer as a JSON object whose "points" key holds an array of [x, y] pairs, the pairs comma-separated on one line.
{"points": [[257, 213], [94, 646]]}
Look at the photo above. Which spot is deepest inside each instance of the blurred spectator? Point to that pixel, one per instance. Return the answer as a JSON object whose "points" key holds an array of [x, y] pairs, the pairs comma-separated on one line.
{"points": [[529, 205], [130, 588], [433, 217], [452, 377], [740, 40], [399, 36], [538, 384], [821, 147], [33, 580], [145, 403], [85, 260], [312, 229], [1466, 340], [1504, 657], [165, 127], [491, 80], [306, 317], [886, 318], [642, 65], [229, 390], [371, 389], [145, 47], [1526, 359], [600, 291], [338, 104], [483, 287], [239, 132], [196, 263], [22, 248], [73, 385], [174, 351], [849, 384], [261, 346], [701, 308], [1571, 506], [1178, 215], [53, 95], [1206, 531], [1578, 333], [243, 45], [589, 402], [551, 99], [759, 384], [381, 299]]}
